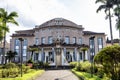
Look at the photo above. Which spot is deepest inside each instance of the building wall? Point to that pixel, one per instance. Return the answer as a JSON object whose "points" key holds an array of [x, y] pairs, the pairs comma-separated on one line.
{"points": [[60, 32]]}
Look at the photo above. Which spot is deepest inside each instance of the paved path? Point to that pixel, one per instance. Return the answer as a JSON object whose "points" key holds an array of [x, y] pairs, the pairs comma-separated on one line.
{"points": [[57, 75]]}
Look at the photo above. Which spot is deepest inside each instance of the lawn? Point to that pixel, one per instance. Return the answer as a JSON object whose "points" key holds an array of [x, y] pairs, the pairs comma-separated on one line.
{"points": [[31, 75], [87, 76]]}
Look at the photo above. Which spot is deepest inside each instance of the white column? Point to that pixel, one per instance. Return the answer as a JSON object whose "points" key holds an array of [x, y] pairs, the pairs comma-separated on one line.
{"points": [[62, 57], [76, 55], [86, 55], [39, 57]]}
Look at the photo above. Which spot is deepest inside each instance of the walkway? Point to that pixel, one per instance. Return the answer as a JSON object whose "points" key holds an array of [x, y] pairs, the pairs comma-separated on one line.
{"points": [[57, 75]]}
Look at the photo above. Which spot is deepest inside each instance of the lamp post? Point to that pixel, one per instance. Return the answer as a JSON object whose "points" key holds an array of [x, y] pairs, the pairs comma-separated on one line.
{"points": [[92, 54], [21, 55]]}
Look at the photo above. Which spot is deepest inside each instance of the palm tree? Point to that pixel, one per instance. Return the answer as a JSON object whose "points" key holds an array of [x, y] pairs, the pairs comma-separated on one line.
{"points": [[117, 13], [84, 48], [5, 19], [106, 5], [10, 55], [32, 50]]}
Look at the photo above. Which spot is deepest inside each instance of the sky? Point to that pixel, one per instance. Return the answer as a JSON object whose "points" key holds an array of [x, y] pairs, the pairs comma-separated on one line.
{"points": [[36, 12]]}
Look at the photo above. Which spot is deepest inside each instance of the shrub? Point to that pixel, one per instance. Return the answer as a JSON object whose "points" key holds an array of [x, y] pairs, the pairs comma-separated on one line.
{"points": [[10, 65], [35, 65], [78, 67], [46, 65], [100, 73], [11, 72], [30, 61], [73, 64], [85, 66], [41, 64], [25, 69]]}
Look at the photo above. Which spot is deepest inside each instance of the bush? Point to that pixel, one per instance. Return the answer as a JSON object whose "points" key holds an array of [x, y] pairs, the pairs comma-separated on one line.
{"points": [[78, 67], [73, 64], [100, 73], [30, 61], [35, 65], [41, 64], [10, 65], [46, 65], [11, 72], [25, 69]]}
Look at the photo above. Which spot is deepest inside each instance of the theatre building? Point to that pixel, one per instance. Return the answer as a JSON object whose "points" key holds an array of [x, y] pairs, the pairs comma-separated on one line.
{"points": [[59, 42]]}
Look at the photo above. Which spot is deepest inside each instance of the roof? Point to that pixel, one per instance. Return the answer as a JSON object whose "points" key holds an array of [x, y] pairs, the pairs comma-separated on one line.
{"points": [[114, 41], [59, 22], [92, 33], [30, 30]]}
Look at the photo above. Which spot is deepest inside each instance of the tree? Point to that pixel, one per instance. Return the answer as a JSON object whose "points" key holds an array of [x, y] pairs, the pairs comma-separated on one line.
{"points": [[32, 50], [117, 13], [106, 5], [5, 19], [84, 48], [109, 58], [10, 55]]}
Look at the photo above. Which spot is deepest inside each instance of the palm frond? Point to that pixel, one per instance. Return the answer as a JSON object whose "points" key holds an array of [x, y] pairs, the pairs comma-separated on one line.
{"points": [[102, 1], [117, 25], [13, 14], [12, 21], [2, 10], [101, 7]]}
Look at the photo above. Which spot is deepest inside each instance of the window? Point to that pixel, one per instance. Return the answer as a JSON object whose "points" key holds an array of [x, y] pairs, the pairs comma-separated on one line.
{"points": [[25, 42], [17, 42], [80, 40], [92, 48], [74, 40], [24, 52], [50, 40], [67, 40], [17, 51], [50, 56], [100, 43], [36, 41], [80, 55], [68, 57], [17, 45], [43, 40]]}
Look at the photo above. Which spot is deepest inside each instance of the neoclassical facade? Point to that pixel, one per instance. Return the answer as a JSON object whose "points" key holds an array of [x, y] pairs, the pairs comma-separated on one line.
{"points": [[59, 42]]}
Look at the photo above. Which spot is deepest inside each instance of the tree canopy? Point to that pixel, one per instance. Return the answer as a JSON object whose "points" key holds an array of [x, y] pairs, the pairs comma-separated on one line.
{"points": [[109, 58]]}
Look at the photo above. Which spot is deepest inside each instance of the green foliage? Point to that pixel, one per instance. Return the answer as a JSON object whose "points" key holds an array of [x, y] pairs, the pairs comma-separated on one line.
{"points": [[31, 75], [41, 64], [25, 69], [30, 61], [10, 55], [45, 65], [11, 72], [109, 58], [73, 64], [10, 65], [35, 65], [87, 76]]}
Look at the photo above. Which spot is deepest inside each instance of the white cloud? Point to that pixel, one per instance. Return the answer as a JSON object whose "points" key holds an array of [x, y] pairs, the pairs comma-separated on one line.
{"points": [[82, 12]]}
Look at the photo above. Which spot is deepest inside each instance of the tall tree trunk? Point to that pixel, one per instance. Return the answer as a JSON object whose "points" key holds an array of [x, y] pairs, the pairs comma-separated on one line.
{"points": [[110, 22], [4, 42]]}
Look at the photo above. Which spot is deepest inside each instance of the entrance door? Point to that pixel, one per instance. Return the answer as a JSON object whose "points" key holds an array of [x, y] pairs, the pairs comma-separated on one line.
{"points": [[58, 60]]}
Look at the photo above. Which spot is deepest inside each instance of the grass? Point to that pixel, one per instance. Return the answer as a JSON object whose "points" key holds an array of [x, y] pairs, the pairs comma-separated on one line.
{"points": [[31, 75], [87, 76]]}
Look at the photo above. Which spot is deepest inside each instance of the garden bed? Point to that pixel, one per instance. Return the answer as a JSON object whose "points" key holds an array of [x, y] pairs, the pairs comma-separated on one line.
{"points": [[31, 75], [87, 76]]}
